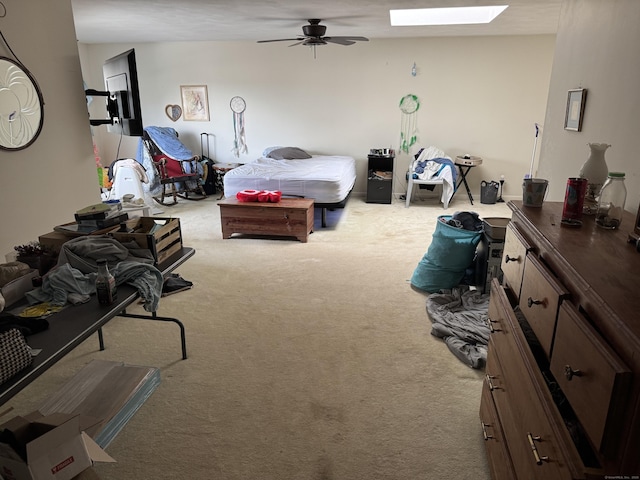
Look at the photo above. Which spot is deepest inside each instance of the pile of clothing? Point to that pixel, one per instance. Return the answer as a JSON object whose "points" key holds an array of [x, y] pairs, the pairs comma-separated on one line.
{"points": [[458, 313], [430, 163], [73, 279]]}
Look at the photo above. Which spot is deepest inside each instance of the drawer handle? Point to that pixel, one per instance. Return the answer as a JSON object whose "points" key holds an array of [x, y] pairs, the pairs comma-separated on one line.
{"points": [[489, 379], [490, 325], [531, 302], [508, 259], [484, 431], [570, 372], [534, 449]]}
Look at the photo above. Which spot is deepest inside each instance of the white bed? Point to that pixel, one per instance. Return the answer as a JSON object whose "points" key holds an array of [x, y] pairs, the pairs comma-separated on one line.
{"points": [[328, 179]]}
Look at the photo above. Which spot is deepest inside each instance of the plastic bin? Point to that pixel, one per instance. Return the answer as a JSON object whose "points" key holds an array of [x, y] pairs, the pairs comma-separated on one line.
{"points": [[496, 227]]}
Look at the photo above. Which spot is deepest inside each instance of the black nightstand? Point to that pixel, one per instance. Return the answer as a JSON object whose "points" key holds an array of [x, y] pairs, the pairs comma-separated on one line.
{"points": [[380, 178]]}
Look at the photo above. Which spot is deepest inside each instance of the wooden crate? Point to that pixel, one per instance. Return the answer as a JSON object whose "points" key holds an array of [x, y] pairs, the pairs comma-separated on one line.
{"points": [[162, 236]]}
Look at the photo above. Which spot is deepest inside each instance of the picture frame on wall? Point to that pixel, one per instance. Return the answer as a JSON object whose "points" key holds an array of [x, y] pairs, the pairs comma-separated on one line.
{"points": [[575, 109], [195, 103]]}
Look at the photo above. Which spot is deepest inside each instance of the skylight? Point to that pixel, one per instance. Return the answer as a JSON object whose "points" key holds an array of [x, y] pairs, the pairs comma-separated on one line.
{"points": [[445, 16]]}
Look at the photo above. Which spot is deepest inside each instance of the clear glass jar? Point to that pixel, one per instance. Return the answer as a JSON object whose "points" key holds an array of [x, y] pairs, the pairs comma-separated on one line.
{"points": [[611, 202], [105, 284]]}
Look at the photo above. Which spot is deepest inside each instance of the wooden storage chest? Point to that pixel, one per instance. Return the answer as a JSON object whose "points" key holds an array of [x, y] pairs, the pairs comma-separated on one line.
{"points": [[290, 217]]}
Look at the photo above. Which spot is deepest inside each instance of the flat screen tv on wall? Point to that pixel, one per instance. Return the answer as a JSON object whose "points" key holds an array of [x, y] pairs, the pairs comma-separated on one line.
{"points": [[123, 95]]}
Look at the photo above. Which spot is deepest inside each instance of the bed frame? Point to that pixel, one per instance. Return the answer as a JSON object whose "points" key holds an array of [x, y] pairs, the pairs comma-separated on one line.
{"points": [[299, 178], [326, 206]]}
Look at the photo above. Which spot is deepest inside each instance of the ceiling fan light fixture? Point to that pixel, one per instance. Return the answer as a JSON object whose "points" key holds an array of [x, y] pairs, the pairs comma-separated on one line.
{"points": [[313, 36], [314, 29], [445, 16]]}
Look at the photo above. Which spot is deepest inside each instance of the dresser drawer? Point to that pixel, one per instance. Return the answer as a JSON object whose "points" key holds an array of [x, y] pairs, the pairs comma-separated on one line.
{"points": [[537, 439], [497, 451], [500, 319], [540, 298], [533, 446], [593, 378], [514, 253]]}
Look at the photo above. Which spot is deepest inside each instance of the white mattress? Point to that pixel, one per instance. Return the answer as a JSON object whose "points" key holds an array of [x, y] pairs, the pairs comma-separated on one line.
{"points": [[326, 179]]}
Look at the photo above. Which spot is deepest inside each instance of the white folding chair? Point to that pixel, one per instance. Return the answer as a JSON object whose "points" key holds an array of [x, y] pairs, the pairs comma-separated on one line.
{"points": [[416, 181]]}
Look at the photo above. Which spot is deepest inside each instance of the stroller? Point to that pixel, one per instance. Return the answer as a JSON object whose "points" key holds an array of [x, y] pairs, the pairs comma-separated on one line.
{"points": [[178, 172]]}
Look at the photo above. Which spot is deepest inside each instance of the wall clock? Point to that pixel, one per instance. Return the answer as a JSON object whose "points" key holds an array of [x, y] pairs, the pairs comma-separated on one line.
{"points": [[21, 106]]}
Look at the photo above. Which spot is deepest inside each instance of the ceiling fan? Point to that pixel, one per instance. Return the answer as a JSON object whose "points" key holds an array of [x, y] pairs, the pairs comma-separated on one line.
{"points": [[313, 35]]}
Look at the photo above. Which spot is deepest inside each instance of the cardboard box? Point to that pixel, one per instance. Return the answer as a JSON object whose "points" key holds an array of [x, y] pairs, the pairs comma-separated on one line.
{"points": [[54, 240], [47, 447], [160, 235], [88, 474]]}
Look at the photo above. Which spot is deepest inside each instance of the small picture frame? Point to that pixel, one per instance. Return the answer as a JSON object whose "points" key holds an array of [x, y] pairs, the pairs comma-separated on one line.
{"points": [[575, 109], [195, 103]]}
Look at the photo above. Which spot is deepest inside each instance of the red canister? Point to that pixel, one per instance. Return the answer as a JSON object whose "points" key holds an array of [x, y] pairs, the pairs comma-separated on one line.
{"points": [[574, 201]]}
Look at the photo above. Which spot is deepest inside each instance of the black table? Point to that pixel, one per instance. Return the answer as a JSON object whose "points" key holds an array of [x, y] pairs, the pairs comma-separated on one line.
{"points": [[74, 324], [468, 163]]}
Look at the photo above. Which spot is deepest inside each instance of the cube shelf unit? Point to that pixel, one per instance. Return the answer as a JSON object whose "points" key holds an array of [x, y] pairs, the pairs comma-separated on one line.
{"points": [[380, 178]]}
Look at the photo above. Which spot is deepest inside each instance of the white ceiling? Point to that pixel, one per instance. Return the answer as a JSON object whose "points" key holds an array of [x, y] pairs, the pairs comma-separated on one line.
{"points": [[141, 21]]}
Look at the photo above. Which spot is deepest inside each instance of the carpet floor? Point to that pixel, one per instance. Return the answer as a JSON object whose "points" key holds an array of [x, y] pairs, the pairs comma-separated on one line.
{"points": [[307, 361]]}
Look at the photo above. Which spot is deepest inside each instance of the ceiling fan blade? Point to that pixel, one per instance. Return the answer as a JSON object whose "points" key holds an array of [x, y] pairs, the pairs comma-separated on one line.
{"points": [[339, 41], [279, 40], [354, 39], [297, 43]]}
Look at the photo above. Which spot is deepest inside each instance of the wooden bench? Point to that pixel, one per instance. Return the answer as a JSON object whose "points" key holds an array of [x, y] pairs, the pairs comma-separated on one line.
{"points": [[290, 217]]}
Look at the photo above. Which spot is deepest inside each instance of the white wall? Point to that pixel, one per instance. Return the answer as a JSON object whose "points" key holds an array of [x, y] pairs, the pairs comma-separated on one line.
{"points": [[42, 185], [598, 48], [478, 95]]}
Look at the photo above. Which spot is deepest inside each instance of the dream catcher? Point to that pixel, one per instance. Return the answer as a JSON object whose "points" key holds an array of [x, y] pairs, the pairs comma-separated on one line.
{"points": [[409, 105], [238, 106]]}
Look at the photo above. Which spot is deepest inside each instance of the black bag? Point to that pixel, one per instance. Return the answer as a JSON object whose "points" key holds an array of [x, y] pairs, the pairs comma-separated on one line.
{"points": [[208, 177], [208, 174], [15, 354]]}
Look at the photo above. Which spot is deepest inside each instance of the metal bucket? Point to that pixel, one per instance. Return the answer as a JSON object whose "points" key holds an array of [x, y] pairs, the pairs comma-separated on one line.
{"points": [[534, 191]]}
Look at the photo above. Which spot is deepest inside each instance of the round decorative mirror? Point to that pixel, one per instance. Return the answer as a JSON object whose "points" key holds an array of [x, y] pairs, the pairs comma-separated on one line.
{"points": [[21, 106]]}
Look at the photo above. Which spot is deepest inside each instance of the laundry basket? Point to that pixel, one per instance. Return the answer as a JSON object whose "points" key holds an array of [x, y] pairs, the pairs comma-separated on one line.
{"points": [[489, 192], [450, 253]]}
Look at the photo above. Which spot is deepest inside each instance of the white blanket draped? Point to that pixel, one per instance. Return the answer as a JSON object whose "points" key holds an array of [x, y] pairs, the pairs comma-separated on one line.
{"points": [[433, 170]]}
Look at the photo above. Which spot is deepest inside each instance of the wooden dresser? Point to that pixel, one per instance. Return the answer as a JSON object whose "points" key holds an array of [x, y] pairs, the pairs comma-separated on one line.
{"points": [[561, 397]]}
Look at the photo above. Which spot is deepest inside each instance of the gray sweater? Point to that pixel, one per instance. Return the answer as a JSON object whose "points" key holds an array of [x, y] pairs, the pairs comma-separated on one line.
{"points": [[73, 279]]}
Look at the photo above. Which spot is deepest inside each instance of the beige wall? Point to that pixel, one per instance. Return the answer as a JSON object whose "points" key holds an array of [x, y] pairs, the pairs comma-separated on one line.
{"points": [[44, 184], [478, 95], [598, 48]]}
